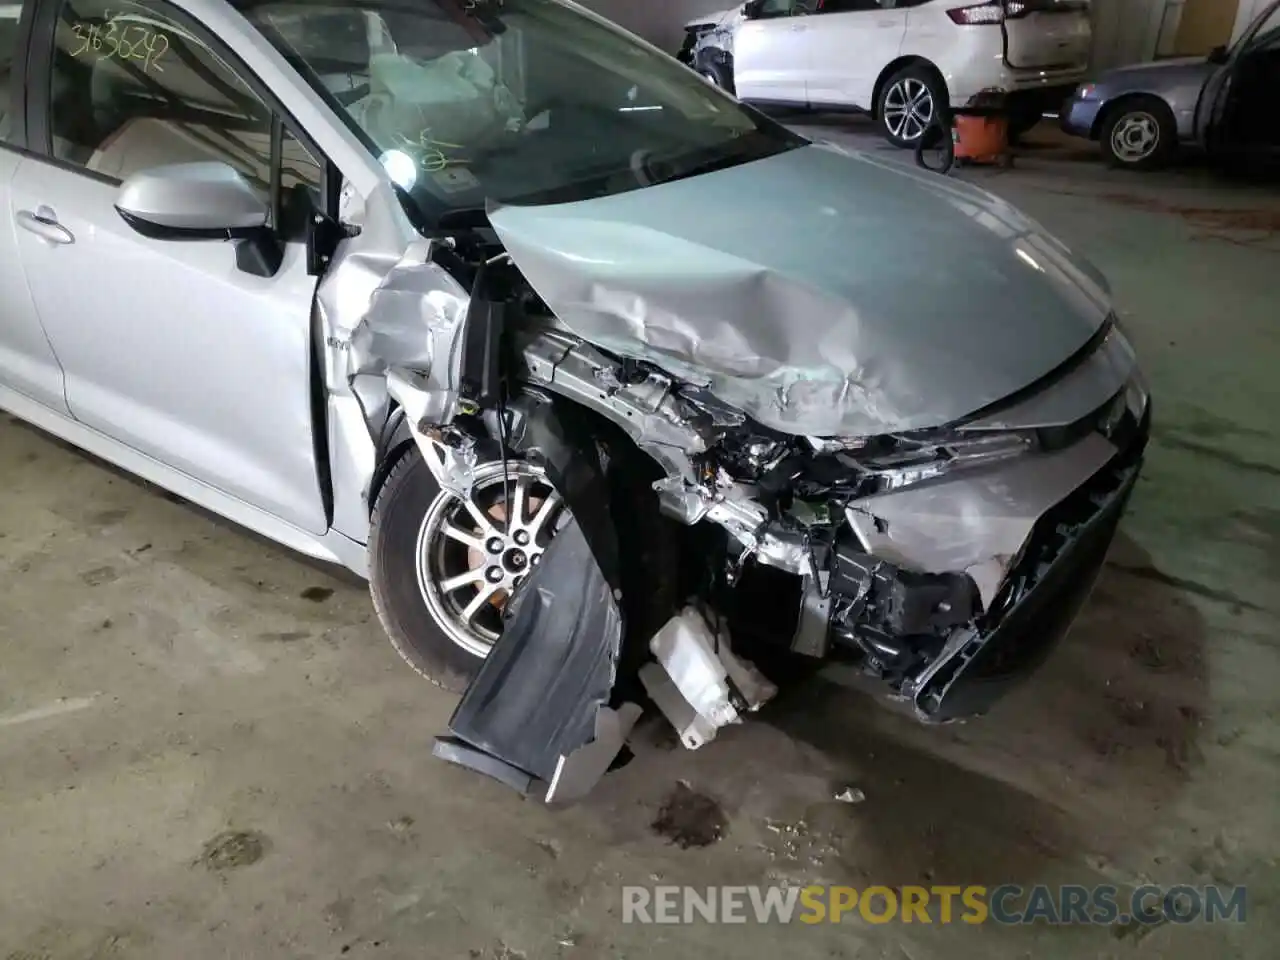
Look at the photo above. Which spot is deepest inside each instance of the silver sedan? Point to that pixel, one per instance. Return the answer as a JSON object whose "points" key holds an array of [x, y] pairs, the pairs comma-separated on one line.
{"points": [[585, 365]]}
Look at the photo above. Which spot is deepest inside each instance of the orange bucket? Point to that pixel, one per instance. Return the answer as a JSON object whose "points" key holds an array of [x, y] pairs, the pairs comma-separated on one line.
{"points": [[981, 139]]}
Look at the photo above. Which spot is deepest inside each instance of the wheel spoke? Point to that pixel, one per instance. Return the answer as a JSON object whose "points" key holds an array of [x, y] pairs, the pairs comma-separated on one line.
{"points": [[483, 596], [480, 517], [515, 517], [462, 536], [544, 512], [474, 575]]}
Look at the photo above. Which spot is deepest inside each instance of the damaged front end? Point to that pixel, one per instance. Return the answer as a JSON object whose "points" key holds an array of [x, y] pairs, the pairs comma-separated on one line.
{"points": [[708, 44], [944, 564], [830, 493]]}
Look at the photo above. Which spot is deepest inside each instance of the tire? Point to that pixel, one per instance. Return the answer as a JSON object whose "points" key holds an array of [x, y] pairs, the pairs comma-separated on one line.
{"points": [[426, 638], [1139, 134], [416, 615], [717, 71], [899, 106]]}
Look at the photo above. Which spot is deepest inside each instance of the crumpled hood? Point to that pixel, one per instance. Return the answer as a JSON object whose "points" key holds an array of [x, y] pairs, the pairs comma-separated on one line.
{"points": [[822, 292]]}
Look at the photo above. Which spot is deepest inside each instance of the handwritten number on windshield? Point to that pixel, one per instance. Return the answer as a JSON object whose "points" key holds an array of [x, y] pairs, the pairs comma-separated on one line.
{"points": [[124, 41], [431, 152]]}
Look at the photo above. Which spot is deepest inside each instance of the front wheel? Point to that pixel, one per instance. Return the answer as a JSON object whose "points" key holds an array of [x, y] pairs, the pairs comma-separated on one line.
{"points": [[908, 103], [1139, 134], [441, 567], [716, 70]]}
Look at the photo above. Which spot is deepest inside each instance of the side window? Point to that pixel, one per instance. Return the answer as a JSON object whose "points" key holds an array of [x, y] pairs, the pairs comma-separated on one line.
{"points": [[853, 6], [769, 9], [11, 64], [133, 88]]}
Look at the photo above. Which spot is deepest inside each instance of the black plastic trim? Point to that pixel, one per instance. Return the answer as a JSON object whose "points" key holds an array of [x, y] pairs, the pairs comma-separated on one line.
{"points": [[536, 696], [1073, 362], [17, 106], [156, 231]]}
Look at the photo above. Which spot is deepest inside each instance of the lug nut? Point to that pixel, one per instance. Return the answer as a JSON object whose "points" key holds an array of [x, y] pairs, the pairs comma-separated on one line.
{"points": [[494, 545], [493, 574], [522, 537]]}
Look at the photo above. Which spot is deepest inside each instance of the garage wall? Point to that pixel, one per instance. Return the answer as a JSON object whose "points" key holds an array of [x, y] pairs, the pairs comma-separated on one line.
{"points": [[1127, 31], [1205, 24], [661, 22]]}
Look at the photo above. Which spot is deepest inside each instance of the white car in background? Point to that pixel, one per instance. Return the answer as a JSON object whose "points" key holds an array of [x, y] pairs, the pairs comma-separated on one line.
{"points": [[895, 59]]}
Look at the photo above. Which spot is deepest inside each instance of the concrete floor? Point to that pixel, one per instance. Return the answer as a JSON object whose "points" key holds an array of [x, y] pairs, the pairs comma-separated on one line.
{"points": [[208, 750]]}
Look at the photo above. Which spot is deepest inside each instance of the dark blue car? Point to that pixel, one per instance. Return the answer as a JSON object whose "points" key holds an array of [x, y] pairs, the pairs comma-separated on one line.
{"points": [[1226, 102]]}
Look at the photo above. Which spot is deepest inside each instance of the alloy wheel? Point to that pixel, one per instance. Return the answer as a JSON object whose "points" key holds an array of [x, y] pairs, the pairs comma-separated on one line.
{"points": [[908, 109], [473, 553]]}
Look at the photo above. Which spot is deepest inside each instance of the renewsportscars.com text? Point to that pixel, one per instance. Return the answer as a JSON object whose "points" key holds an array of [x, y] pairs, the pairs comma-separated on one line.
{"points": [[973, 904]]}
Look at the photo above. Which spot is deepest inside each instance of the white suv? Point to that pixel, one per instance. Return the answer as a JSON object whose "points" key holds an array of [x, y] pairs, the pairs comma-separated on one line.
{"points": [[895, 58]]}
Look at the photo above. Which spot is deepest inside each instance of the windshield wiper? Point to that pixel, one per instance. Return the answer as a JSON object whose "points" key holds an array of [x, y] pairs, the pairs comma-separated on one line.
{"points": [[740, 150], [709, 166]]}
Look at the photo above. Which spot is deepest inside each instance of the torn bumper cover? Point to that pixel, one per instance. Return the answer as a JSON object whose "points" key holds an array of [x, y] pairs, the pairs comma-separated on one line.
{"points": [[953, 641]]}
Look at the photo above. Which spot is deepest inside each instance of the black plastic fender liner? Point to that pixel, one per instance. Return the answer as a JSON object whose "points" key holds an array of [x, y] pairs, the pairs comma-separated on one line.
{"points": [[536, 697], [464, 755], [562, 437], [540, 704]]}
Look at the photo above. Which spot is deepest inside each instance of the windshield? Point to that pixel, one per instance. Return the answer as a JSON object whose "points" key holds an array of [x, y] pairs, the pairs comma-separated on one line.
{"points": [[515, 101]]}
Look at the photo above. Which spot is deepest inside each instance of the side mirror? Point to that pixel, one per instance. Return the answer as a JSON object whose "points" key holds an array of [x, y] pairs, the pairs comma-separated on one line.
{"points": [[751, 9], [191, 201], [202, 201], [1219, 54]]}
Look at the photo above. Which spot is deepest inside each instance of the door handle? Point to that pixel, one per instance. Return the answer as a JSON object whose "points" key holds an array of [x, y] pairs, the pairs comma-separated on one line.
{"points": [[798, 27], [44, 223]]}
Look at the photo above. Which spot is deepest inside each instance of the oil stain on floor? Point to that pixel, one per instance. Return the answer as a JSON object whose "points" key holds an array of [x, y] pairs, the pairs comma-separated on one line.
{"points": [[234, 848], [688, 818]]}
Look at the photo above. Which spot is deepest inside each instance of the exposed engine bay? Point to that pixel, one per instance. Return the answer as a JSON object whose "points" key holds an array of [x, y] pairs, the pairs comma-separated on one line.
{"points": [[942, 562]]}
